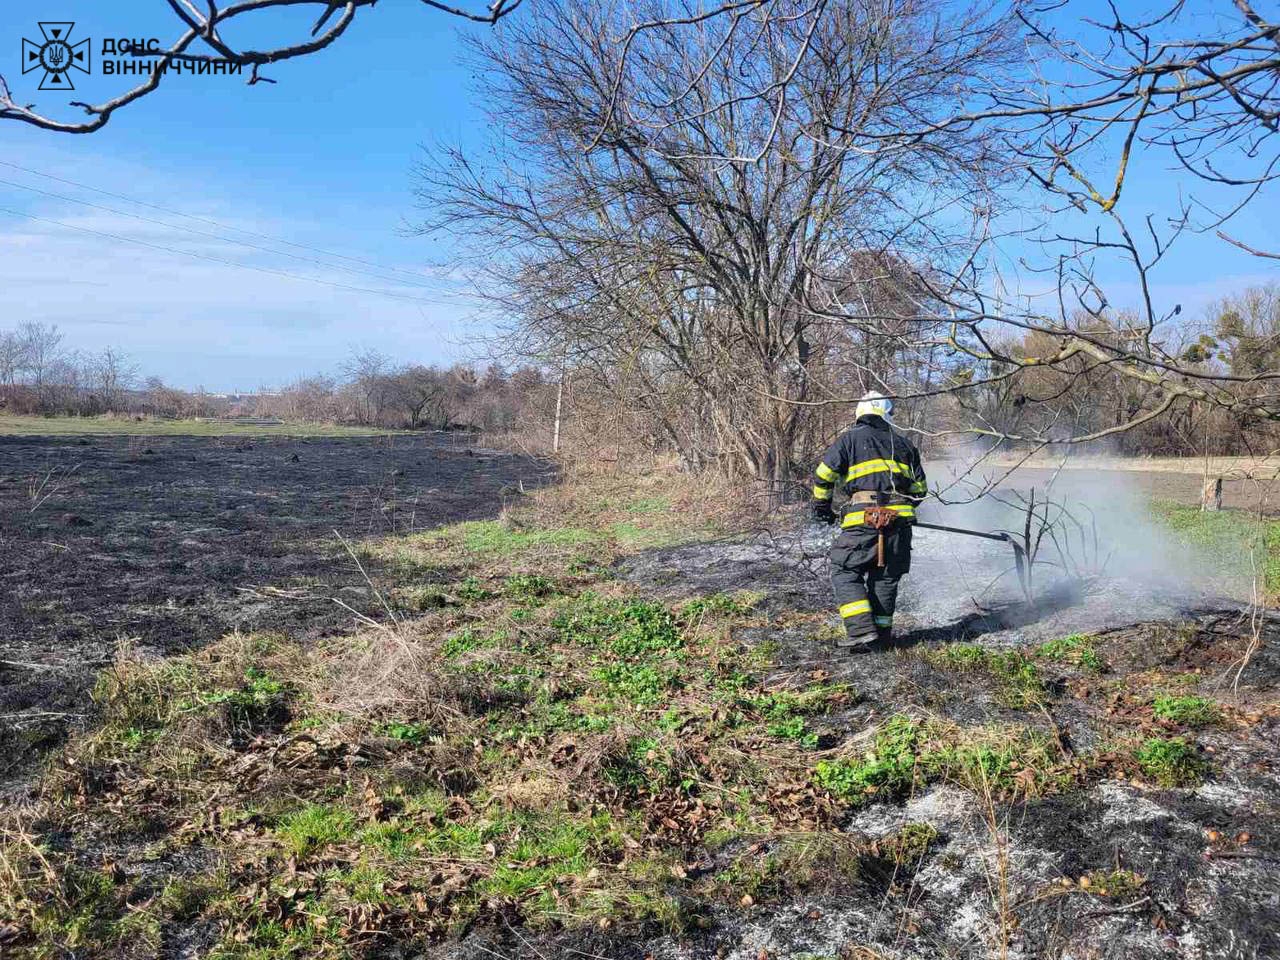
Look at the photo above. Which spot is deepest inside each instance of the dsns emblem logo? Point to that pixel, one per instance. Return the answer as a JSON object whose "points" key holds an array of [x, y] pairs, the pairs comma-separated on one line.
{"points": [[56, 56]]}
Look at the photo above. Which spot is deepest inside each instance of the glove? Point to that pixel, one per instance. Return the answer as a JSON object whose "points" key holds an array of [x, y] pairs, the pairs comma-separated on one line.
{"points": [[822, 511]]}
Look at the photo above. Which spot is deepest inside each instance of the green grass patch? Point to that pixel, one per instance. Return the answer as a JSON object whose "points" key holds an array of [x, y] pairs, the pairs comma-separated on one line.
{"points": [[493, 537], [1077, 649], [407, 732], [737, 604], [1171, 762], [1188, 711], [1235, 538], [786, 712], [313, 827], [906, 753], [470, 638], [528, 587], [793, 862], [1016, 675]]}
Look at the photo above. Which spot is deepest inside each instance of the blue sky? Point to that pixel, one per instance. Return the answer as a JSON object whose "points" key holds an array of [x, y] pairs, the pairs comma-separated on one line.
{"points": [[323, 159]]}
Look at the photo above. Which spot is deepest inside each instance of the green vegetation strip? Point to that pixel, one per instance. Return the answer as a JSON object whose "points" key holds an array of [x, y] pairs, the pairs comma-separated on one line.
{"points": [[1240, 541]]}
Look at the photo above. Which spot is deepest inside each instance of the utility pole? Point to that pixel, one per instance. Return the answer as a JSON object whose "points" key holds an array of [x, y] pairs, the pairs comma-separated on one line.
{"points": [[555, 437]]}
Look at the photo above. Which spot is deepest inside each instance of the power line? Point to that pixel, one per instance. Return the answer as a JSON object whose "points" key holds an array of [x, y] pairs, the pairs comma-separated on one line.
{"points": [[215, 223], [221, 260], [211, 236]]}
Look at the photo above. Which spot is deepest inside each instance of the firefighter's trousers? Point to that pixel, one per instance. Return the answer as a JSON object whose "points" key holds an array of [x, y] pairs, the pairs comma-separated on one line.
{"points": [[865, 592]]}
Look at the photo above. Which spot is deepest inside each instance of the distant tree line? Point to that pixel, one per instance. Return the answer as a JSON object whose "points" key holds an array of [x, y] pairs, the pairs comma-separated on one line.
{"points": [[41, 375], [371, 390]]}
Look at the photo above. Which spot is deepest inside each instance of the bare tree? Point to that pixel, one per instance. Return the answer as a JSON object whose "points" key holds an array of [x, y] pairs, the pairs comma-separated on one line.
{"points": [[14, 351], [1197, 86], [202, 41], [110, 375], [366, 371], [624, 241], [421, 393], [43, 352]]}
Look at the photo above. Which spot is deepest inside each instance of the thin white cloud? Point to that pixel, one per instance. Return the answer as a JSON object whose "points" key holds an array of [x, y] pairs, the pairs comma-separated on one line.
{"points": [[193, 321]]}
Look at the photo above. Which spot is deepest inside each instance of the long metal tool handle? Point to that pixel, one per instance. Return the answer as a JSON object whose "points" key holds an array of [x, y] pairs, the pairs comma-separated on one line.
{"points": [[1003, 537], [1019, 553]]}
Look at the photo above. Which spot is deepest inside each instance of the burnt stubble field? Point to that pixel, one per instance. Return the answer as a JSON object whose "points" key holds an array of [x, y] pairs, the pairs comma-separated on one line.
{"points": [[167, 543]]}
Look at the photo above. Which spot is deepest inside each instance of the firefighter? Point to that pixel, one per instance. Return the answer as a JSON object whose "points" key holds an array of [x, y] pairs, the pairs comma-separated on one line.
{"points": [[880, 470]]}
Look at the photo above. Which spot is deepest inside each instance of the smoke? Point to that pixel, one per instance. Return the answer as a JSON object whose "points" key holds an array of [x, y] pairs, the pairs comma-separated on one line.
{"points": [[1106, 556]]}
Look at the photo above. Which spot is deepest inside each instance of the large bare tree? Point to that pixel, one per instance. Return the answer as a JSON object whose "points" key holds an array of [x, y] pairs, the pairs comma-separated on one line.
{"points": [[1192, 86], [630, 235]]}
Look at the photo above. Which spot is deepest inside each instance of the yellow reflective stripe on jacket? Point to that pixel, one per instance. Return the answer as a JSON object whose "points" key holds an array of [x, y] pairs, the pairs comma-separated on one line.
{"points": [[826, 473], [822, 493], [868, 467], [856, 518], [919, 487], [848, 610]]}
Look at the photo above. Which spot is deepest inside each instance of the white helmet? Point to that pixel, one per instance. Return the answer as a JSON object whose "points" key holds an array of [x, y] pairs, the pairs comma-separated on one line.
{"points": [[874, 403]]}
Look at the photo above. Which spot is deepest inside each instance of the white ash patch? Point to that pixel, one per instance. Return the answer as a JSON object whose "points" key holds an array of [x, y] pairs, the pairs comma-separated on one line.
{"points": [[943, 807], [1124, 805], [1230, 795], [972, 920]]}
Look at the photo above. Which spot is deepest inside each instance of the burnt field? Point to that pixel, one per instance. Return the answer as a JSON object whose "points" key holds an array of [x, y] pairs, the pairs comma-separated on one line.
{"points": [[168, 543], [613, 725]]}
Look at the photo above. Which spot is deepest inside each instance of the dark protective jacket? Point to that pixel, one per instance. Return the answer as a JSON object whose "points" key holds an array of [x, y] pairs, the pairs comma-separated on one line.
{"points": [[871, 456]]}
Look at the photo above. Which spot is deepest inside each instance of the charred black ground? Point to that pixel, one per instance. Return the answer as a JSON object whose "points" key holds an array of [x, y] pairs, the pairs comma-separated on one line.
{"points": [[171, 542], [607, 725]]}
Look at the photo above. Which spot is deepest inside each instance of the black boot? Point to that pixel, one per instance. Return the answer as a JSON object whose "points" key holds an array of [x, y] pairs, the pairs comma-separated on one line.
{"points": [[858, 644]]}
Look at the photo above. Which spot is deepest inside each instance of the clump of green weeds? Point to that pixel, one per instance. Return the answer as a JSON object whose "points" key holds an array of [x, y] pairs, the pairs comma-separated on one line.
{"points": [[641, 683], [906, 753], [1170, 762], [1077, 649], [528, 587], [628, 628], [1187, 711], [471, 590], [785, 711], [465, 640], [407, 731], [888, 767]]}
